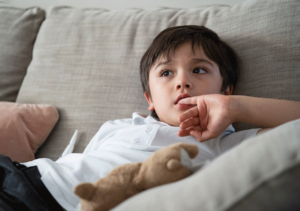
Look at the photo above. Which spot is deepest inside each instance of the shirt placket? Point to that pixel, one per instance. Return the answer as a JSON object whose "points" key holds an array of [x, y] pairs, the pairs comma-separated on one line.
{"points": [[147, 134]]}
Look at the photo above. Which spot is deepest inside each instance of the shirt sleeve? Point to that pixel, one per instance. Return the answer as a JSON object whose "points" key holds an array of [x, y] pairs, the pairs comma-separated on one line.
{"points": [[229, 141]]}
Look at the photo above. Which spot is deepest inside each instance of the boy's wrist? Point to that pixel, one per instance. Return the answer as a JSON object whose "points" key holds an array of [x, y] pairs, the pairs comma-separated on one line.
{"points": [[236, 108]]}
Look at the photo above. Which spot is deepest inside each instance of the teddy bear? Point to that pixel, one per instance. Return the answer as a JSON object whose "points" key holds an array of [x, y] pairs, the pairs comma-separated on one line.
{"points": [[166, 165]]}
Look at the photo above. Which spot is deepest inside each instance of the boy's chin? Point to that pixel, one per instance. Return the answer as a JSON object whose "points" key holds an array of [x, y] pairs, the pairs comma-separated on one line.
{"points": [[173, 123], [171, 120]]}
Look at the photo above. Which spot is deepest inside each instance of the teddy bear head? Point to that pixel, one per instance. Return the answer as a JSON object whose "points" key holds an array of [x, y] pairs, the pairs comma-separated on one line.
{"points": [[167, 165]]}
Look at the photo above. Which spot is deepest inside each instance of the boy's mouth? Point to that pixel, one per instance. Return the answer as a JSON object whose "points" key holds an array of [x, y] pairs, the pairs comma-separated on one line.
{"points": [[181, 97]]}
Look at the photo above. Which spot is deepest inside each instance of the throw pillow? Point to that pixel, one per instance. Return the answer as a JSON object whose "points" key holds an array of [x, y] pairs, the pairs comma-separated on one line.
{"points": [[23, 128]]}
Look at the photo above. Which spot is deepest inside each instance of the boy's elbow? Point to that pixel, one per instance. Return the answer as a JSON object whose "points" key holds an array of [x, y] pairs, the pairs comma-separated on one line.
{"points": [[263, 130]]}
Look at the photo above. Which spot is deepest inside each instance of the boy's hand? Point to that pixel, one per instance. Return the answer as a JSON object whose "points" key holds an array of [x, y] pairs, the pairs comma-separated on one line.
{"points": [[208, 119]]}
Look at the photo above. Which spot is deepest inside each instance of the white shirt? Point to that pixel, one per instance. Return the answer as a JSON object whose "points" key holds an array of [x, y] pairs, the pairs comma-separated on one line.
{"points": [[119, 142]]}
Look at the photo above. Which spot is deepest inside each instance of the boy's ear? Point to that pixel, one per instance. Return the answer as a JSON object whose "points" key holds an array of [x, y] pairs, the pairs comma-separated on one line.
{"points": [[229, 90], [151, 106]]}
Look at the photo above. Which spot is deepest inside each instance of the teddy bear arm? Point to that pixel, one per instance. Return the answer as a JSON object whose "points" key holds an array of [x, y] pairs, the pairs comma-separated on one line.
{"points": [[85, 190], [191, 149], [123, 178]]}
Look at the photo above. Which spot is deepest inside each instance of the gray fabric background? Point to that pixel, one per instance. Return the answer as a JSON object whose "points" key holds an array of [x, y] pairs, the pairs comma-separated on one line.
{"points": [[86, 61], [18, 30]]}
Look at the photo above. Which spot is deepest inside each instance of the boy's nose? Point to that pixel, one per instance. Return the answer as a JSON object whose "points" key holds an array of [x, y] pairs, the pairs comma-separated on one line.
{"points": [[183, 83], [179, 86]]}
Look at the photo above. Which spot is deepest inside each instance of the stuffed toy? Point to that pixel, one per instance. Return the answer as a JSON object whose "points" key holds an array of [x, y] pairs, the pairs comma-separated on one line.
{"points": [[166, 165]]}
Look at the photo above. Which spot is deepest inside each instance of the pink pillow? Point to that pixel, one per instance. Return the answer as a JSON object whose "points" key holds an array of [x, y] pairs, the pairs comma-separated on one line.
{"points": [[23, 128]]}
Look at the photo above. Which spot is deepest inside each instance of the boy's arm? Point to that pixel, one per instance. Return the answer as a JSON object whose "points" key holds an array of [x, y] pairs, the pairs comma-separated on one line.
{"points": [[214, 113], [266, 112]]}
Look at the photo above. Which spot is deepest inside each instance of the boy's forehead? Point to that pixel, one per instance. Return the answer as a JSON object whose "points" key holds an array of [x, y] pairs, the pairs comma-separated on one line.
{"points": [[166, 57]]}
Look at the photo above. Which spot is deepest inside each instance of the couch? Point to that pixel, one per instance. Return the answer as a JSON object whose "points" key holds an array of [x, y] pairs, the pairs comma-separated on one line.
{"points": [[85, 63]]}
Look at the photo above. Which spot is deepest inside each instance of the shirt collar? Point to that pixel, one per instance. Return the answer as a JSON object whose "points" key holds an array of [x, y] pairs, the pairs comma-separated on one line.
{"points": [[138, 118], [141, 119]]}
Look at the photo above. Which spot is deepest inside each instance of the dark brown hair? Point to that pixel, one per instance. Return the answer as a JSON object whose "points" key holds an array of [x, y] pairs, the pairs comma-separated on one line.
{"points": [[215, 49]]}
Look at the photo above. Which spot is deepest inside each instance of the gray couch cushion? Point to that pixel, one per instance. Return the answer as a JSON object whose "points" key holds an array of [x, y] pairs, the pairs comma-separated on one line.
{"points": [[86, 61], [260, 174], [18, 30]]}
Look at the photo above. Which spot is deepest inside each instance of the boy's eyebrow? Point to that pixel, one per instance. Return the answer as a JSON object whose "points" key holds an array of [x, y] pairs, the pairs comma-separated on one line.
{"points": [[163, 63], [194, 59], [203, 60]]}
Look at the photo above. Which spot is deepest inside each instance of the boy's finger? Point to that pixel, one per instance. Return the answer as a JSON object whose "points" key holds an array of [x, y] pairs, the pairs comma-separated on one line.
{"points": [[197, 128], [182, 133], [194, 121], [188, 114], [202, 136], [207, 135], [197, 135], [189, 100], [187, 131]]}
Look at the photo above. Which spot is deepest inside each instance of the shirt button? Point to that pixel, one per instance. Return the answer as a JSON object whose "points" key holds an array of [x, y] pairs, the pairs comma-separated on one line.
{"points": [[148, 129]]}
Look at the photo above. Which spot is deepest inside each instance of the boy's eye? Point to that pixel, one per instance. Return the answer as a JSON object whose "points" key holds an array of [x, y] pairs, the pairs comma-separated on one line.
{"points": [[166, 73], [199, 70]]}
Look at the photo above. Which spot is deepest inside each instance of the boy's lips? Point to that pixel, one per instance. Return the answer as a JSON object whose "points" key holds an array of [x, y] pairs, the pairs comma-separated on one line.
{"points": [[181, 97], [182, 106]]}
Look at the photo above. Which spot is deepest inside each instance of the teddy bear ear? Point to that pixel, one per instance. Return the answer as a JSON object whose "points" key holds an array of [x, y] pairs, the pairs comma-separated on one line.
{"points": [[85, 190], [173, 164]]}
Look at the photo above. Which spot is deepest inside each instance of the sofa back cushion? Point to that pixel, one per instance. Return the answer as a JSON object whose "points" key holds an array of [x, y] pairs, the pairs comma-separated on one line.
{"points": [[18, 30], [86, 61]]}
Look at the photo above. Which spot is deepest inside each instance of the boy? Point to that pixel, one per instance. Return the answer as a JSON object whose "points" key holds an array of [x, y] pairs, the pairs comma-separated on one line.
{"points": [[188, 75], [166, 68]]}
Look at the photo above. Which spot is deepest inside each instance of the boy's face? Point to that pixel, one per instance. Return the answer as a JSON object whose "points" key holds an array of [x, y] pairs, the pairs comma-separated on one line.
{"points": [[192, 74]]}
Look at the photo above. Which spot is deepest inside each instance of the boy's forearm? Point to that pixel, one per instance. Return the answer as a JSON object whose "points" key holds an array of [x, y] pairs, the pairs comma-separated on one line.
{"points": [[263, 111]]}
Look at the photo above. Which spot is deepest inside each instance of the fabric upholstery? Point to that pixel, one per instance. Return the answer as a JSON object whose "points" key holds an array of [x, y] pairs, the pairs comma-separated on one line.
{"points": [[23, 128], [86, 61], [260, 174], [18, 31]]}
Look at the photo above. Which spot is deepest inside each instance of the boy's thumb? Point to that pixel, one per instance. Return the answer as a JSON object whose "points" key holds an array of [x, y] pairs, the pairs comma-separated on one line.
{"points": [[201, 136]]}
